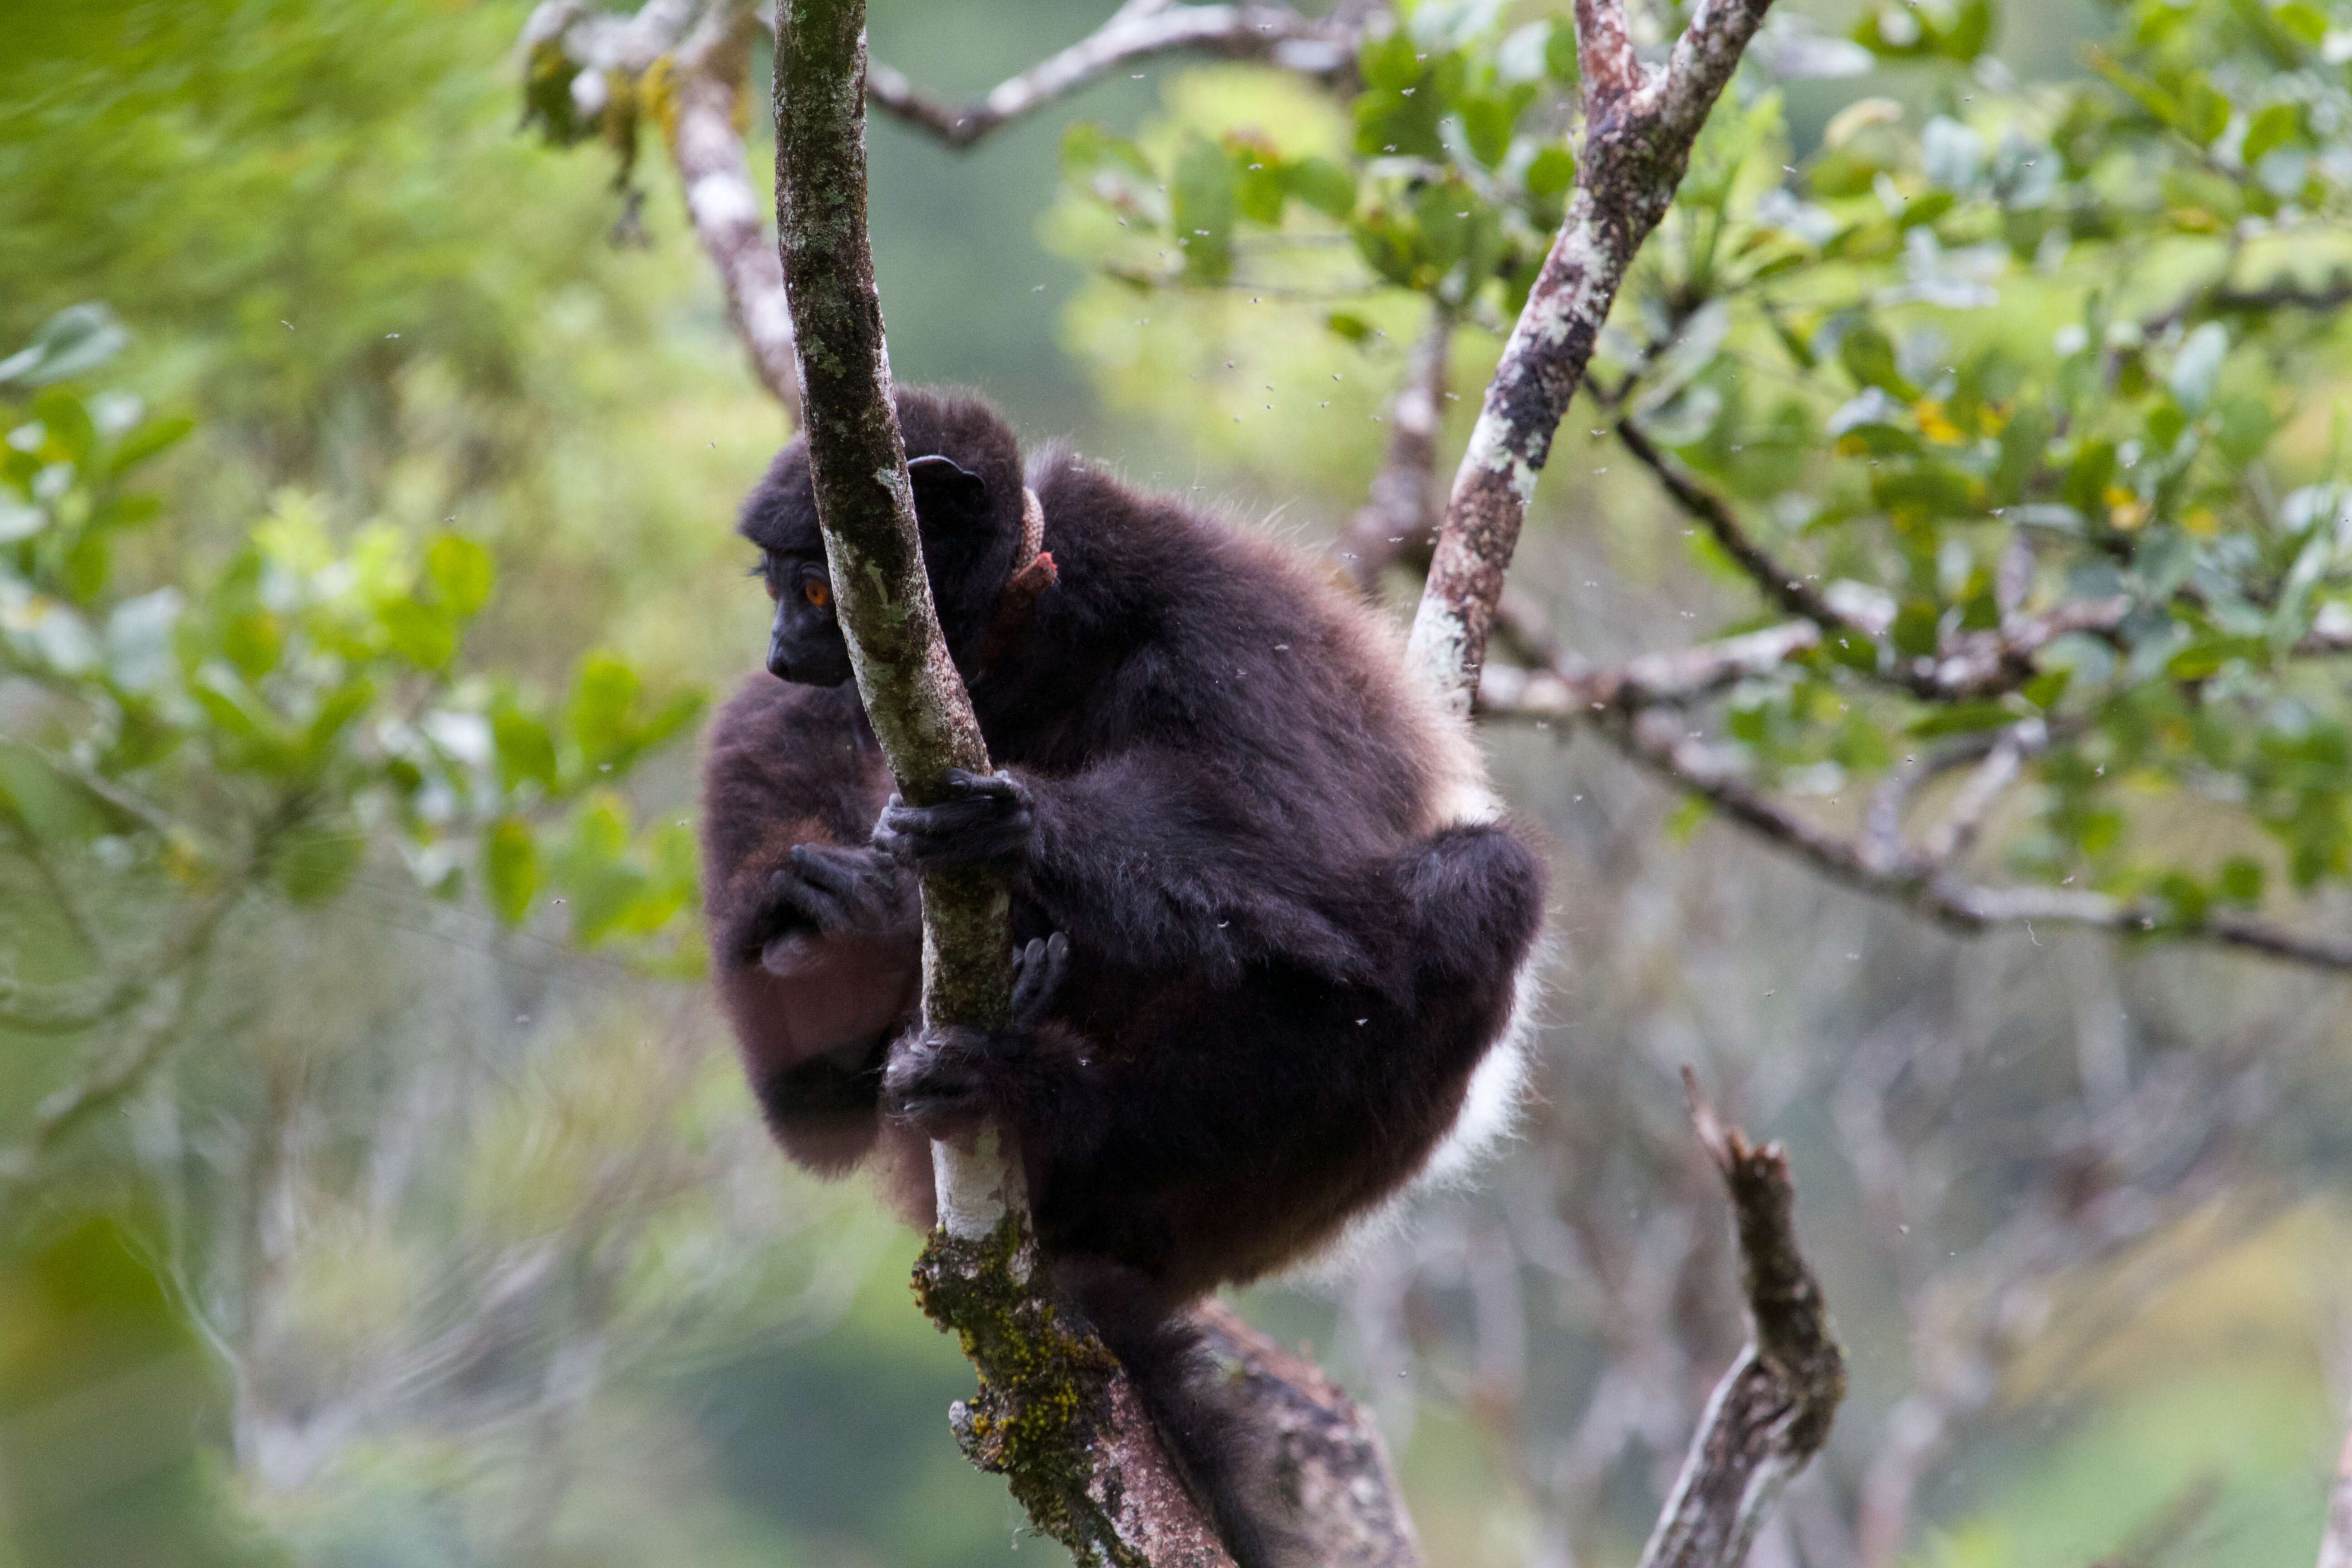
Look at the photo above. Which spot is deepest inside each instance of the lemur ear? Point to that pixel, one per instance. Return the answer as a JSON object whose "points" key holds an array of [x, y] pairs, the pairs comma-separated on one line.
{"points": [[944, 488]]}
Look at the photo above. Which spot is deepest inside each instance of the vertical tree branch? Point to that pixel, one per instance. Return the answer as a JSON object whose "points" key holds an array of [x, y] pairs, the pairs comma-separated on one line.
{"points": [[857, 462], [1639, 125], [1055, 1415]]}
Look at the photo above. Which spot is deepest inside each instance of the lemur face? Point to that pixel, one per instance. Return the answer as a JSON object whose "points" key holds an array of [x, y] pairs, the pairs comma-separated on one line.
{"points": [[805, 646]]}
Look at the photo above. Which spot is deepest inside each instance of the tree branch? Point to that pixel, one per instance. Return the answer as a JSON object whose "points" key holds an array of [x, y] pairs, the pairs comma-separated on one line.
{"points": [[1137, 30], [1970, 665], [1055, 1413], [1328, 1447], [1776, 582], [1571, 690], [1772, 1410], [1638, 130], [1656, 742], [77, 1104], [1399, 518], [706, 141]]}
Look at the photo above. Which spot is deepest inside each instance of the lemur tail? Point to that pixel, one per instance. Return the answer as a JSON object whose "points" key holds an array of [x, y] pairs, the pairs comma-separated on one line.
{"points": [[1221, 1457]]}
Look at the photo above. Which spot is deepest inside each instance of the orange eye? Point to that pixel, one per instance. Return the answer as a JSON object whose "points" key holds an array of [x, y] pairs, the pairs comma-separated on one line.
{"points": [[817, 592]]}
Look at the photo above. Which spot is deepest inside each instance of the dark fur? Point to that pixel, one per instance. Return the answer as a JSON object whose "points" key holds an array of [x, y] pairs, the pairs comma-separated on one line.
{"points": [[1280, 977]]}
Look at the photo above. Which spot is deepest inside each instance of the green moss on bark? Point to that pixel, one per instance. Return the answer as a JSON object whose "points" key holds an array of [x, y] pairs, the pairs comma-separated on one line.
{"points": [[1043, 1384]]}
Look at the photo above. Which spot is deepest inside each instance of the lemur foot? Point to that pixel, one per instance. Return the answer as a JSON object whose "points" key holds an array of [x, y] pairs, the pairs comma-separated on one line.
{"points": [[948, 1078]]}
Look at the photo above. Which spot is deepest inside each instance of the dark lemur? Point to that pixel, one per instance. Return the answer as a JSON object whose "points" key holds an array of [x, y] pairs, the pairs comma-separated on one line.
{"points": [[1296, 935]]}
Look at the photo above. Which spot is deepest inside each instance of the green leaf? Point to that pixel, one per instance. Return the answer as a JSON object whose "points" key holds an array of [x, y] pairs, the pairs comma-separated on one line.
{"points": [[2242, 880], [2274, 126], [254, 642], [2243, 428], [526, 752], [2044, 689], [671, 717], [1387, 63], [74, 341], [153, 437], [1259, 188], [127, 511], [1087, 146], [2187, 898], [1487, 124], [425, 634], [604, 700], [1202, 202], [2085, 484], [1550, 172], [2306, 24], [1963, 718], [1350, 325], [334, 716], [1322, 185], [68, 424], [86, 564], [461, 572], [1559, 54], [510, 868], [1968, 32], [54, 806], [1868, 356], [1914, 628]]}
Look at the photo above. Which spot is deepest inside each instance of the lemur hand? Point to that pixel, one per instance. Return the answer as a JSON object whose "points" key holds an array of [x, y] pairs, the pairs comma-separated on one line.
{"points": [[831, 890], [986, 816]]}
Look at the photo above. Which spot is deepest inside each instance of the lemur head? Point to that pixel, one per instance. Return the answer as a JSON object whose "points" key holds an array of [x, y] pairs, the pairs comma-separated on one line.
{"points": [[965, 465]]}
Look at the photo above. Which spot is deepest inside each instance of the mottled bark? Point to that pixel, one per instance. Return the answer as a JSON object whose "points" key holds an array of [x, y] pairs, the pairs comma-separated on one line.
{"points": [[1329, 1451], [1772, 1410], [1639, 124], [703, 122]]}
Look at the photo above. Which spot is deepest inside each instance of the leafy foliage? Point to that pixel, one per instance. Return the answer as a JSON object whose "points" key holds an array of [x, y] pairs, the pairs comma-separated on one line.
{"points": [[309, 702], [2044, 370]]}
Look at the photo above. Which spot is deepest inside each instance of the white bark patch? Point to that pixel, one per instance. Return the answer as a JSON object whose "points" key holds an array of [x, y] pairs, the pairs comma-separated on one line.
{"points": [[1491, 451], [1437, 652], [976, 1186]]}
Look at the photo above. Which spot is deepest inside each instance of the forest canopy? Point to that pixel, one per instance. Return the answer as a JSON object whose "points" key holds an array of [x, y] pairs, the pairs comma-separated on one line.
{"points": [[1925, 658]]}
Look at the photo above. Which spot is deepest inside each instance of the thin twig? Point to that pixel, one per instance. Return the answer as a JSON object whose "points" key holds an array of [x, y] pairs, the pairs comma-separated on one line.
{"points": [[1656, 741], [62, 1113], [1777, 581], [1569, 691], [1136, 31]]}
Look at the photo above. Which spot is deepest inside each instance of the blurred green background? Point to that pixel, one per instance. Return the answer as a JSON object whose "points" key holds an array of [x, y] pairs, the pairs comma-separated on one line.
{"points": [[440, 1242]]}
